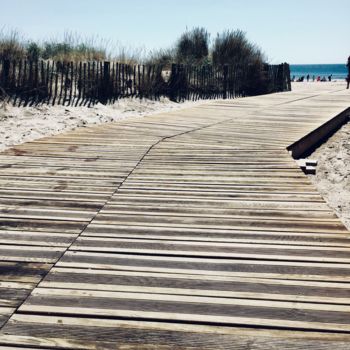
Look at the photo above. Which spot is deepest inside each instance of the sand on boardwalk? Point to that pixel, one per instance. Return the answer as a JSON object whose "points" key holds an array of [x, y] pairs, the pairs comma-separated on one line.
{"points": [[22, 124], [332, 177]]}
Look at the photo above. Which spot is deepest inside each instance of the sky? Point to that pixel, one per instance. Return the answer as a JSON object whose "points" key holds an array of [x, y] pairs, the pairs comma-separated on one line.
{"points": [[297, 32]]}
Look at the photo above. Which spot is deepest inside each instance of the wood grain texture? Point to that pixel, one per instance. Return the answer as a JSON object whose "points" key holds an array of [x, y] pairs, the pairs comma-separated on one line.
{"points": [[193, 229]]}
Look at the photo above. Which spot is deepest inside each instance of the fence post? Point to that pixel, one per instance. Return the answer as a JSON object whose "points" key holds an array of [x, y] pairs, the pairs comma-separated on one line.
{"points": [[173, 83], [5, 74], [287, 78], [267, 78], [280, 75], [105, 83], [225, 81]]}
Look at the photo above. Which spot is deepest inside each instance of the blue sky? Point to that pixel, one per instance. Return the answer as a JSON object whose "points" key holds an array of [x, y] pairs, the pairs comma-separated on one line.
{"points": [[299, 31]]}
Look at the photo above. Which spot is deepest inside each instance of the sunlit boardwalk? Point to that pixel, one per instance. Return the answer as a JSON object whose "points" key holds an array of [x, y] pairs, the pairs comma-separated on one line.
{"points": [[188, 230]]}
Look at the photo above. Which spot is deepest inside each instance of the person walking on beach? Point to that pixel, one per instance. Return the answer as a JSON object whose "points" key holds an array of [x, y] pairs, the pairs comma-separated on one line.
{"points": [[348, 77]]}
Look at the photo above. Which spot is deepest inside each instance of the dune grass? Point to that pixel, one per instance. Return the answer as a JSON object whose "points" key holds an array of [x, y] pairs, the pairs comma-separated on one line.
{"points": [[193, 47], [72, 47], [12, 44]]}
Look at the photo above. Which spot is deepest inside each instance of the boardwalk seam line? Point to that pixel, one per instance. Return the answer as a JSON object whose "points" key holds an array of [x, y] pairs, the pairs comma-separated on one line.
{"points": [[162, 139], [128, 175]]}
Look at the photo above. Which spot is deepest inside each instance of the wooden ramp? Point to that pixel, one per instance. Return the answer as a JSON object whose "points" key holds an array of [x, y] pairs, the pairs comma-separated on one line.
{"points": [[188, 230]]}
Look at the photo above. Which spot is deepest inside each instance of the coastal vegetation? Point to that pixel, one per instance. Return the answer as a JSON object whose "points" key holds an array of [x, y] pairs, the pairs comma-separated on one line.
{"points": [[193, 47], [77, 69]]}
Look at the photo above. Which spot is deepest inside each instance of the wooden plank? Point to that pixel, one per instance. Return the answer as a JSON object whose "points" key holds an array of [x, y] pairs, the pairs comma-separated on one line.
{"points": [[198, 285], [82, 333], [23, 272], [215, 226], [20, 253], [213, 249], [217, 235], [189, 308], [5, 313], [317, 271], [13, 294], [197, 222]]}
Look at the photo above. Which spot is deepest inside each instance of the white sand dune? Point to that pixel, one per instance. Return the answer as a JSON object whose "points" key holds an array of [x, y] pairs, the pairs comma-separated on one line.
{"points": [[332, 177]]}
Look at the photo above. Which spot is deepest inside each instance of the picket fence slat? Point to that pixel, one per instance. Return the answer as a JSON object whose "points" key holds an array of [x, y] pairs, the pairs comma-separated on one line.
{"points": [[68, 83]]}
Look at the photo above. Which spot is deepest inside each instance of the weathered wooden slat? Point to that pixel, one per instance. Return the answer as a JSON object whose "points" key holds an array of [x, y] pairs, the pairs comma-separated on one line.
{"points": [[217, 235], [190, 308], [228, 287], [222, 250], [23, 272], [296, 215], [197, 222], [216, 225], [83, 333], [319, 271]]}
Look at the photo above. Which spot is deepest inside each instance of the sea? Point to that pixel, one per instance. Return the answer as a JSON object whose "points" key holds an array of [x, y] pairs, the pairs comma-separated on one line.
{"points": [[338, 71]]}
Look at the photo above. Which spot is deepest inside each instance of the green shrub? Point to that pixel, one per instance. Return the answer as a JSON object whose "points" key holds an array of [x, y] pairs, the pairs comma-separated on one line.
{"points": [[233, 48], [193, 47], [163, 57], [33, 51]]}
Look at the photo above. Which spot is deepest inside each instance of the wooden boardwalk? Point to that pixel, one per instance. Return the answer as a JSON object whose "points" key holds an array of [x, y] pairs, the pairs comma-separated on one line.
{"points": [[188, 230]]}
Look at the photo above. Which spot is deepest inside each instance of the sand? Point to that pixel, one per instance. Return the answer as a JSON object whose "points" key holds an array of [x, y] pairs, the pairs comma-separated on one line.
{"points": [[22, 124], [332, 177]]}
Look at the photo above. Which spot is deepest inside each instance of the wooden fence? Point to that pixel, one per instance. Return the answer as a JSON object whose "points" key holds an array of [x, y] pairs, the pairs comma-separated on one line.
{"points": [[32, 82]]}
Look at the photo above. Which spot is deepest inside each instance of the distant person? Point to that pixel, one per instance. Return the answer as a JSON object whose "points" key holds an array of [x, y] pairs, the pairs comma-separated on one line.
{"points": [[348, 77], [330, 77], [323, 79], [308, 77], [313, 78], [318, 78]]}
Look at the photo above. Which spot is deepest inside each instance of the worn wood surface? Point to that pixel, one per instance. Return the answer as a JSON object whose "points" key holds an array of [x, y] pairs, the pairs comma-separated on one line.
{"points": [[188, 230]]}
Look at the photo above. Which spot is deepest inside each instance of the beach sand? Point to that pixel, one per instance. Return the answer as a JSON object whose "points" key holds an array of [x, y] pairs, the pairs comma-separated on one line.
{"points": [[22, 124], [332, 177]]}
